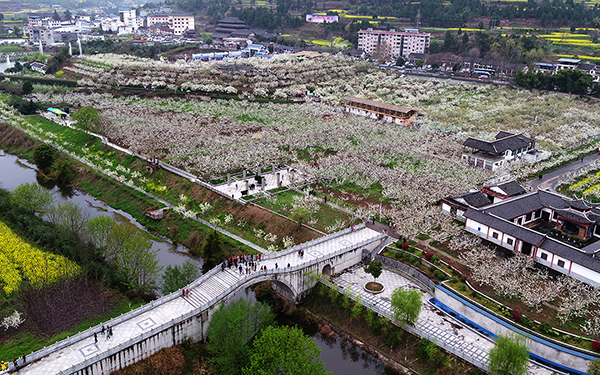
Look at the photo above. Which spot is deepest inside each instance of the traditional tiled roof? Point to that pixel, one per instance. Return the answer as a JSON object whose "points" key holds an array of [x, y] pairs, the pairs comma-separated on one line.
{"points": [[527, 235], [509, 141]]}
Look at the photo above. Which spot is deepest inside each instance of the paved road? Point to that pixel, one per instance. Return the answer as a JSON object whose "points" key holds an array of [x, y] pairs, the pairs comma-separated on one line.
{"points": [[552, 179]]}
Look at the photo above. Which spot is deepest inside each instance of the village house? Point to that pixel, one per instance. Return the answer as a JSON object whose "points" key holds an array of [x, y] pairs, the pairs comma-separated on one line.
{"points": [[378, 110], [492, 155], [555, 230]]}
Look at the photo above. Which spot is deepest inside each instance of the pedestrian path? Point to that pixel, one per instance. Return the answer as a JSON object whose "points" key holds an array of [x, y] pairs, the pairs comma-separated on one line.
{"points": [[432, 324], [203, 293]]}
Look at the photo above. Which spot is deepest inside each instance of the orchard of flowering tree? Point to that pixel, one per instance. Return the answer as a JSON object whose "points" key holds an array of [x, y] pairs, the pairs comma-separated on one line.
{"points": [[400, 172], [411, 168]]}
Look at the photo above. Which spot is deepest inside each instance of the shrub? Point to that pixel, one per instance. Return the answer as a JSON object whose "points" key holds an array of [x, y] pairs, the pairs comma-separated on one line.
{"points": [[545, 328], [398, 255], [526, 321], [439, 275], [428, 256], [596, 345], [435, 259], [405, 246], [516, 315], [393, 338]]}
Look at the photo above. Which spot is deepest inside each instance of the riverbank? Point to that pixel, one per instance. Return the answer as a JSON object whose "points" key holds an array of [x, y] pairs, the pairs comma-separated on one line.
{"points": [[119, 196], [249, 222]]}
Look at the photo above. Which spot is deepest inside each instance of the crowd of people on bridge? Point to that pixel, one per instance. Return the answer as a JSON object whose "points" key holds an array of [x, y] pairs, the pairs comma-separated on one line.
{"points": [[245, 263]]}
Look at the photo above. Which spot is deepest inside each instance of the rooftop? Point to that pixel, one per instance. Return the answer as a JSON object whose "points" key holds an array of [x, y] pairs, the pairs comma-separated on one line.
{"points": [[379, 104]]}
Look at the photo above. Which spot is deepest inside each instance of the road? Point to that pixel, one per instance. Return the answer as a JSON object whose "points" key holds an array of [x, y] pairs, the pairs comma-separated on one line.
{"points": [[552, 179]]}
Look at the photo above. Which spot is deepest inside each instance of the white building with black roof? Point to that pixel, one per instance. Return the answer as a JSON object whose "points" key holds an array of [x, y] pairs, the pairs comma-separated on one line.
{"points": [[492, 155], [555, 230]]}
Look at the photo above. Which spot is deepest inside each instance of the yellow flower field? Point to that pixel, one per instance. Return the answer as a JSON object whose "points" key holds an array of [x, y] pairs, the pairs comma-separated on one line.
{"points": [[20, 261], [569, 39]]}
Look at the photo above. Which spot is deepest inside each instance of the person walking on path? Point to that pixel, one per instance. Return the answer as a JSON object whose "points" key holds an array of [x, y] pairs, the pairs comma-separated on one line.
{"points": [[95, 339], [24, 359]]}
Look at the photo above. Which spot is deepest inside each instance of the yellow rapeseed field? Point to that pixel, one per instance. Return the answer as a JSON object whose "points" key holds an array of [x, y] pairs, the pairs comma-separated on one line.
{"points": [[20, 261]]}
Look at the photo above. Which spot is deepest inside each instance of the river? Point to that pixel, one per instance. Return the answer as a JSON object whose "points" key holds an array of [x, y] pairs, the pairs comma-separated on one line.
{"points": [[339, 357], [15, 171]]}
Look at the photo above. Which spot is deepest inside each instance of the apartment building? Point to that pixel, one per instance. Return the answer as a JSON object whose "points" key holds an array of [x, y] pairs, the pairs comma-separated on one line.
{"points": [[393, 43]]}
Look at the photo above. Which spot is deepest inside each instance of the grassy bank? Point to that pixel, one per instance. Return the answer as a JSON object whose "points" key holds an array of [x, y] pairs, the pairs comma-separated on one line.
{"points": [[248, 222]]}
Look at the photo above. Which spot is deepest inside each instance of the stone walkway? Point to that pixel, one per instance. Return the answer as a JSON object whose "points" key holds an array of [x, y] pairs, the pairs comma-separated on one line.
{"points": [[204, 292], [447, 332]]}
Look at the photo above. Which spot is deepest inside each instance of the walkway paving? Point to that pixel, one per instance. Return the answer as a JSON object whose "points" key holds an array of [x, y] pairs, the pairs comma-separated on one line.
{"points": [[204, 292], [447, 332]]}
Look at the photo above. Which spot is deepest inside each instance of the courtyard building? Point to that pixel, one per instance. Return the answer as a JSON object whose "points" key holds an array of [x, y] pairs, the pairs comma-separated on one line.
{"points": [[555, 230]]}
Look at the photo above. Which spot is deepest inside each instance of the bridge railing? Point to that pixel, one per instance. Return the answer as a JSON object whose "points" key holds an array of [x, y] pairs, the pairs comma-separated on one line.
{"points": [[314, 242], [39, 354], [246, 280]]}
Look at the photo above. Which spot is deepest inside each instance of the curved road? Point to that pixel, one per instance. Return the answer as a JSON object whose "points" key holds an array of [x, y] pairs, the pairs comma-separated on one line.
{"points": [[552, 179]]}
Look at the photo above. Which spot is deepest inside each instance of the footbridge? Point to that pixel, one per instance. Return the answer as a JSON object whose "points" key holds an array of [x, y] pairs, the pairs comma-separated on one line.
{"points": [[174, 319]]}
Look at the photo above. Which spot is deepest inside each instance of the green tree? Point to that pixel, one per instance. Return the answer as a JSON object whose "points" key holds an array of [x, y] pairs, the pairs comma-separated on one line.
{"points": [[27, 87], [88, 118], [231, 327], [419, 63], [99, 229], [69, 216], [480, 25], [176, 277], [64, 171], [509, 355], [44, 155], [285, 350], [594, 367], [130, 251], [400, 61], [300, 214], [406, 305], [213, 250], [33, 197], [374, 268], [449, 42]]}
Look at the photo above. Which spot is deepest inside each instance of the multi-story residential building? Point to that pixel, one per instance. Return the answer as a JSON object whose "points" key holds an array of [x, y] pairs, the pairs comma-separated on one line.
{"points": [[179, 22], [393, 43], [415, 42], [47, 36], [128, 18]]}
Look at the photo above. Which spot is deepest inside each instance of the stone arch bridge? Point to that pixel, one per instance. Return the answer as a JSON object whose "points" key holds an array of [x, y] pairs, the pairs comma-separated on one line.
{"points": [[173, 319]]}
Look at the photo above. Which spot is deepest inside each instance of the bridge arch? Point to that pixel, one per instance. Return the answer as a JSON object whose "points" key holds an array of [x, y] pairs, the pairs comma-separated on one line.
{"points": [[327, 270]]}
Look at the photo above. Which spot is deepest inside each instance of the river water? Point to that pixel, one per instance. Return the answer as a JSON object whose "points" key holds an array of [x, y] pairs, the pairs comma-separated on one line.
{"points": [[15, 171], [341, 358]]}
